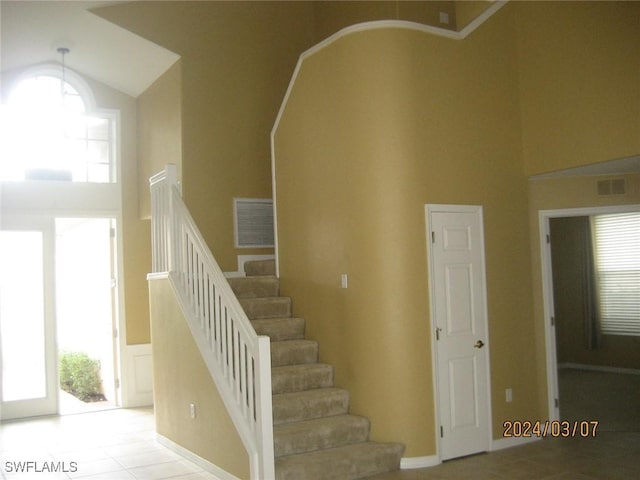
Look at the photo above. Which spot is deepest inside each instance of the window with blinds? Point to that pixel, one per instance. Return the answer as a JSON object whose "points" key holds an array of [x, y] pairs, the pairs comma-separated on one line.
{"points": [[617, 252]]}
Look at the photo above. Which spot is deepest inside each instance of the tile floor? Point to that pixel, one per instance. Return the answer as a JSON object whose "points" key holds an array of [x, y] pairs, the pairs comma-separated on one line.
{"points": [[110, 445], [120, 444], [608, 456]]}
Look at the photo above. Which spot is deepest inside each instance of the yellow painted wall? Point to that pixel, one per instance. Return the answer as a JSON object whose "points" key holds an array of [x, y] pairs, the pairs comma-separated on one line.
{"points": [[180, 377], [159, 131], [468, 10], [579, 82], [379, 124], [237, 58]]}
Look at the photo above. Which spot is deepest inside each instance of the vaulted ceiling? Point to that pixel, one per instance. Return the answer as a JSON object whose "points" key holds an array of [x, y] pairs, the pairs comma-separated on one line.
{"points": [[31, 33]]}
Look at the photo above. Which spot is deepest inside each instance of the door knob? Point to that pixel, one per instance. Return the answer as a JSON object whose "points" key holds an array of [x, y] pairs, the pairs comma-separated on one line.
{"points": [[479, 344]]}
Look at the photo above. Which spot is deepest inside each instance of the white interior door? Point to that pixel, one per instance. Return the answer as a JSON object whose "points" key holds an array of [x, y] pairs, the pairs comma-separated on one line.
{"points": [[27, 320], [460, 329]]}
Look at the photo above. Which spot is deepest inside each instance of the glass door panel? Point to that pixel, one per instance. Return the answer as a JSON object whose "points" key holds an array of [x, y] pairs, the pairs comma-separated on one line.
{"points": [[22, 313], [28, 373]]}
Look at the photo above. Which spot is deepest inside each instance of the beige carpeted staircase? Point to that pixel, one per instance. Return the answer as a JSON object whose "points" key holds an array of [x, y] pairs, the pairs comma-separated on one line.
{"points": [[315, 437]]}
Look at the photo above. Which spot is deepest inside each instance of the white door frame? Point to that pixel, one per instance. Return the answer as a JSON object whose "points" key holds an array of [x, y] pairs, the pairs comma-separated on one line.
{"points": [[544, 217], [444, 208]]}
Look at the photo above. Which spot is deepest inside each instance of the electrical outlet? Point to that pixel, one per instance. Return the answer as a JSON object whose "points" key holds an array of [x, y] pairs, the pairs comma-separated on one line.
{"points": [[509, 395], [192, 410], [344, 280]]}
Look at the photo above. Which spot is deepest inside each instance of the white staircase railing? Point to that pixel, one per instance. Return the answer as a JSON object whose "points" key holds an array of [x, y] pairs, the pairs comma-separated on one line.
{"points": [[238, 359]]}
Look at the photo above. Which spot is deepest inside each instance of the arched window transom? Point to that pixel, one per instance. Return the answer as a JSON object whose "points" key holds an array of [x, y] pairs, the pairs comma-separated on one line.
{"points": [[47, 133]]}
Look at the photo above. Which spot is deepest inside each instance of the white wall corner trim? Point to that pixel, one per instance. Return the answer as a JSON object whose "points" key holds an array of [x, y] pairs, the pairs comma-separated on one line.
{"points": [[137, 376], [381, 24], [408, 463], [192, 457], [503, 443]]}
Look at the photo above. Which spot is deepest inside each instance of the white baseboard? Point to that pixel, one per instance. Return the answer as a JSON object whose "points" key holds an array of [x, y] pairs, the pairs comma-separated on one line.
{"points": [[599, 368], [137, 373], [198, 460], [242, 259], [408, 463], [503, 443]]}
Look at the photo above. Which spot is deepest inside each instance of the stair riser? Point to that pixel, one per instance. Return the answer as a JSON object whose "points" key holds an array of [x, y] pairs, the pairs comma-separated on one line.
{"points": [[273, 307], [260, 267], [345, 463], [300, 406], [293, 353], [331, 432], [255, 287], [279, 329], [320, 376]]}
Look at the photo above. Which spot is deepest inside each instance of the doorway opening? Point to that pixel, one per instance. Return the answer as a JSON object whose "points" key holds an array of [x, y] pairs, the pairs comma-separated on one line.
{"points": [[85, 313], [58, 316], [587, 376]]}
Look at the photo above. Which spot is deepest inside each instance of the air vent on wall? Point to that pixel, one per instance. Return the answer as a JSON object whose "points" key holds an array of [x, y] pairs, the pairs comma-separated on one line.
{"points": [[615, 186], [253, 222]]}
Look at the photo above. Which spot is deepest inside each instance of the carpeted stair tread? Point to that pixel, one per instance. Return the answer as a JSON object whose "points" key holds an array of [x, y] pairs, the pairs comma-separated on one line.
{"points": [[260, 267], [319, 433], [280, 329], [293, 352], [309, 404], [348, 462], [252, 287], [295, 378], [315, 437], [266, 307]]}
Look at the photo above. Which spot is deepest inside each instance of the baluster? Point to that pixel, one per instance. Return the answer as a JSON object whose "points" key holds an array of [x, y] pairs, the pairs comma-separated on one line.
{"points": [[241, 375], [192, 275], [236, 363], [201, 287], [218, 308], [245, 381], [251, 392], [224, 341], [212, 314], [230, 352]]}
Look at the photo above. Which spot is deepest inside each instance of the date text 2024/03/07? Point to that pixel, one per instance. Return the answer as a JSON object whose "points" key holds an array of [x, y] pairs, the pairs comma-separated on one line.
{"points": [[549, 428]]}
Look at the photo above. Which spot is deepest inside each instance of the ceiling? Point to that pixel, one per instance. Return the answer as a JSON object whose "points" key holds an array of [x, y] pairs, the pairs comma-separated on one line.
{"points": [[32, 31]]}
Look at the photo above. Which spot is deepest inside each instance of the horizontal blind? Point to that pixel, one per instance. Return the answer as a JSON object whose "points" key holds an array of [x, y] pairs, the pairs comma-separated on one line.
{"points": [[617, 245]]}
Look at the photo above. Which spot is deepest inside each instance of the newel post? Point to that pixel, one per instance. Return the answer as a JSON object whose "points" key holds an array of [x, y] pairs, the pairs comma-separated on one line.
{"points": [[162, 231], [264, 420]]}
